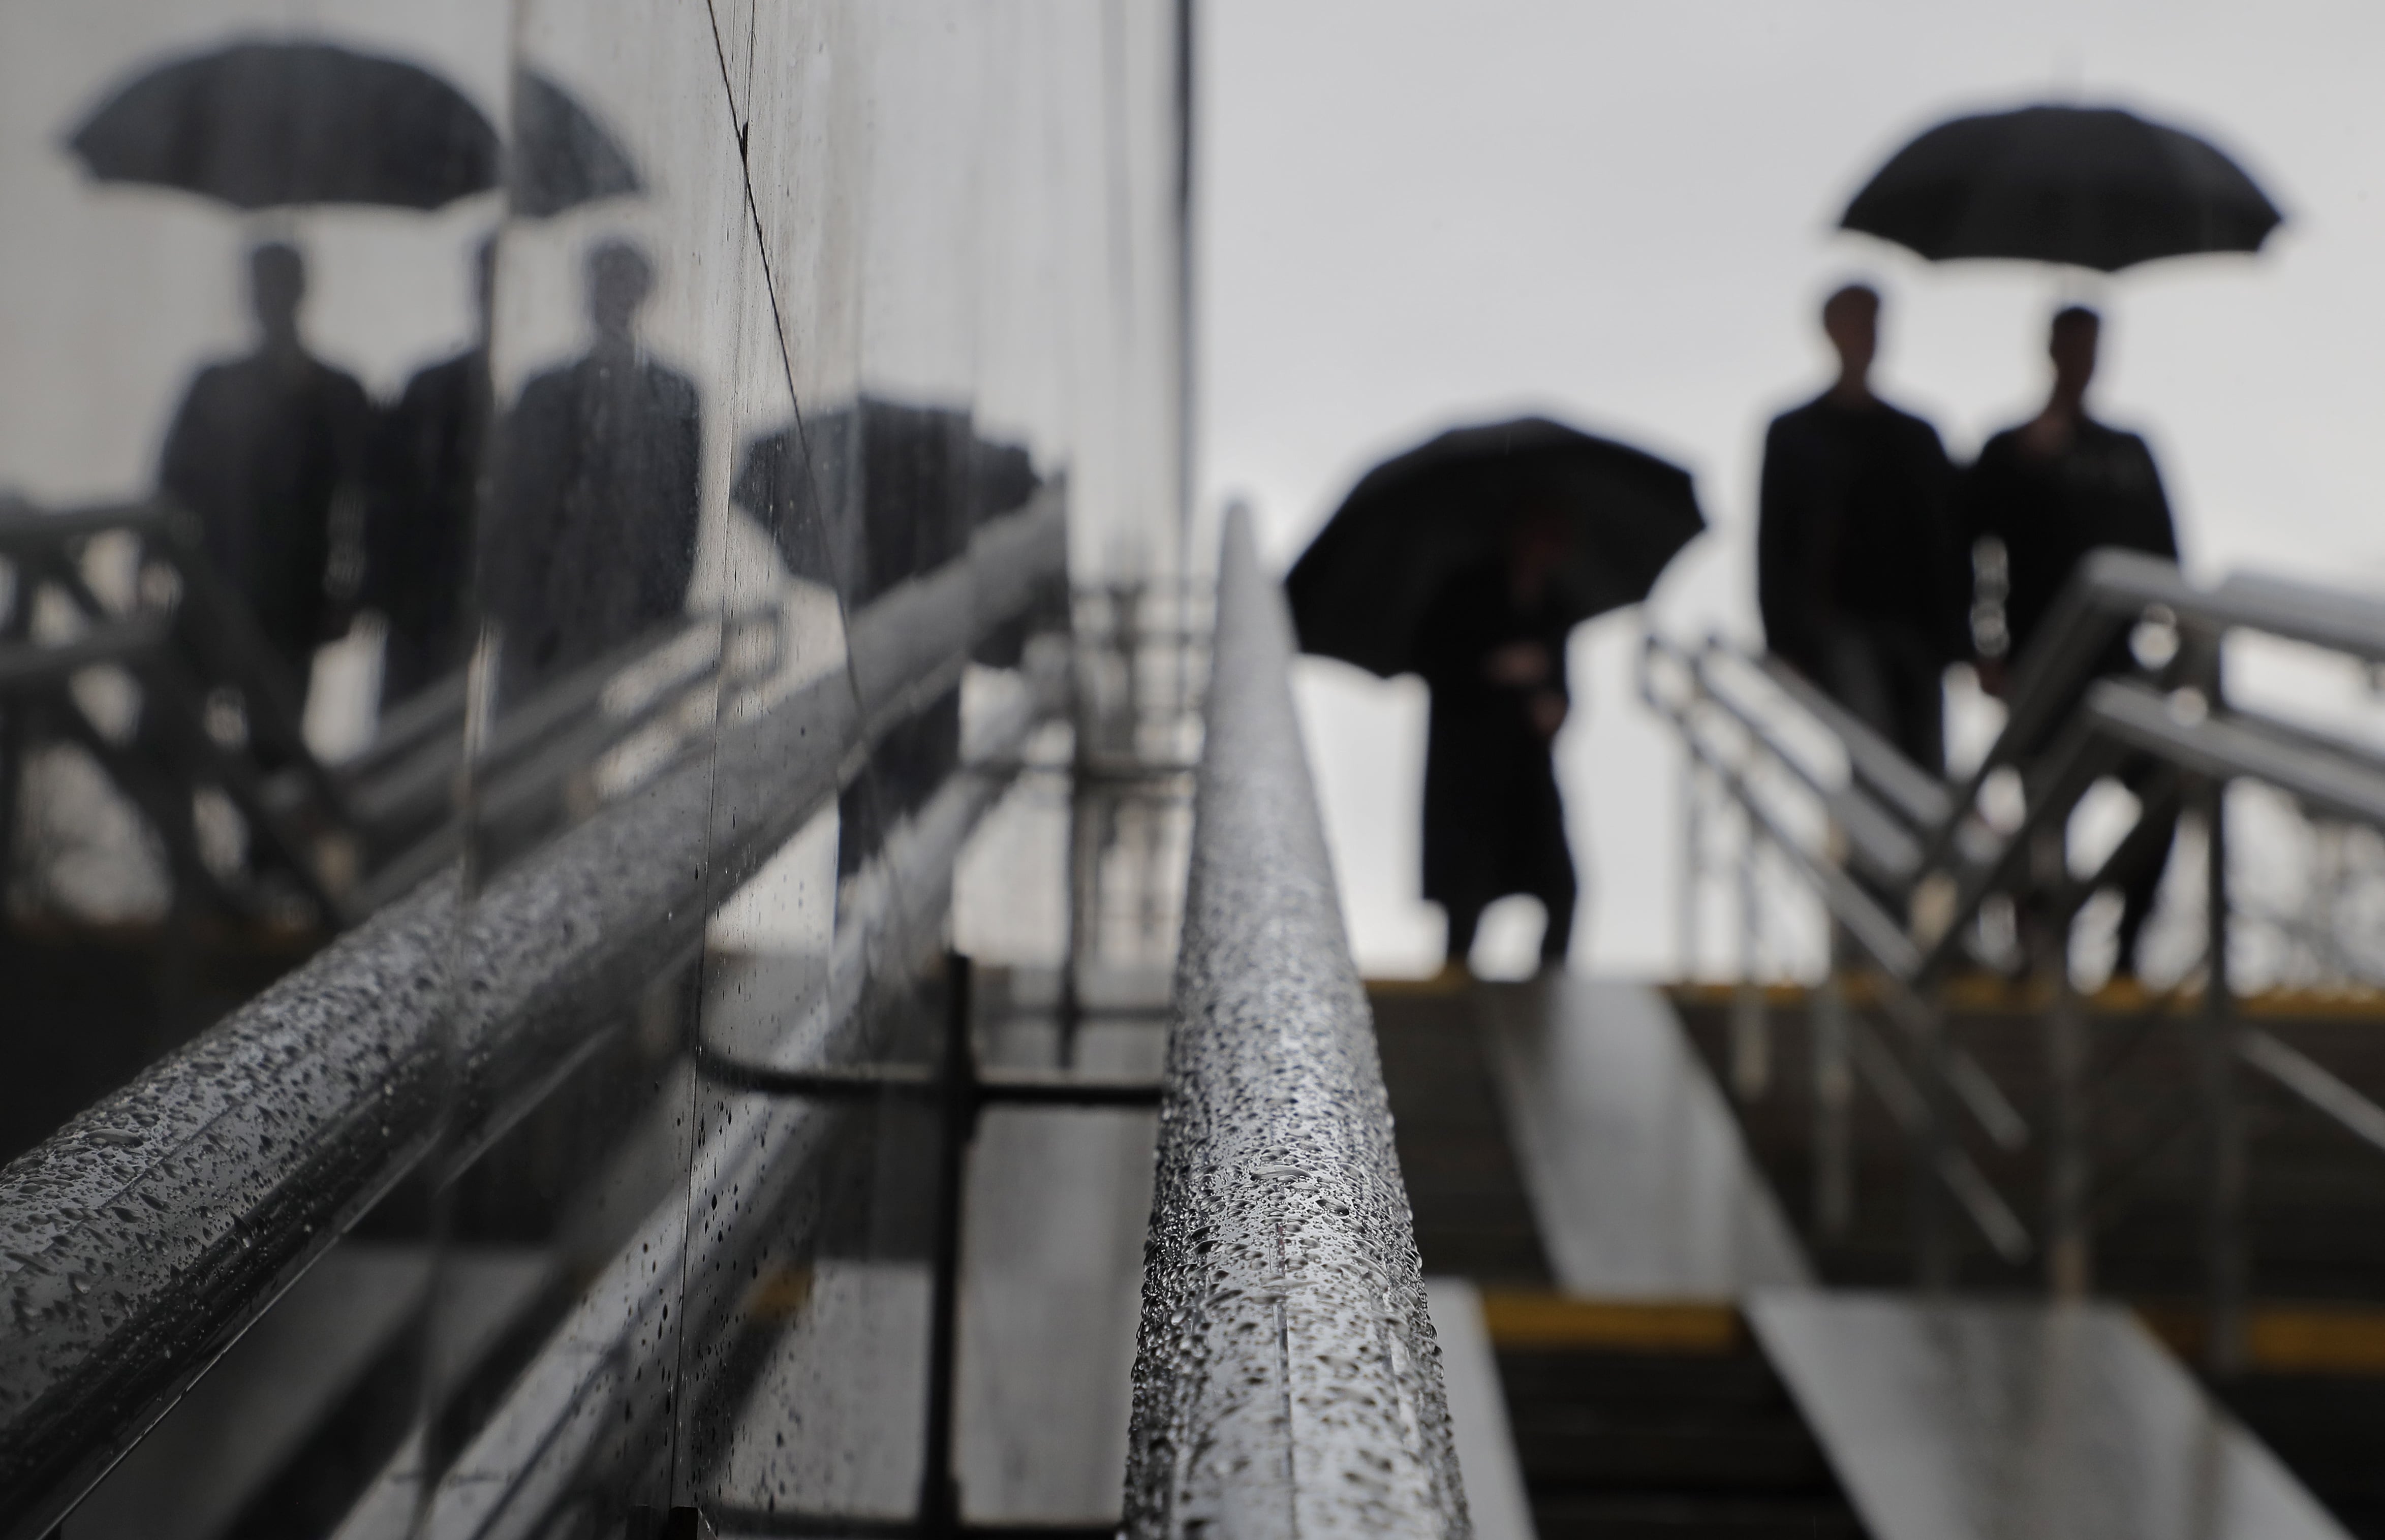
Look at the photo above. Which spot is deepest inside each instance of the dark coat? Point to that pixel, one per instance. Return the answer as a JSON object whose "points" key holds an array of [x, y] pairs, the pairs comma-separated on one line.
{"points": [[419, 549], [2050, 512], [1493, 822], [265, 453], [597, 511], [1856, 527]]}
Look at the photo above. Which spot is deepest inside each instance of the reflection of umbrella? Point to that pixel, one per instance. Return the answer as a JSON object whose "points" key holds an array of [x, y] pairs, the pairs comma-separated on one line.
{"points": [[562, 156], [269, 125], [1363, 585], [276, 125], [2095, 187]]}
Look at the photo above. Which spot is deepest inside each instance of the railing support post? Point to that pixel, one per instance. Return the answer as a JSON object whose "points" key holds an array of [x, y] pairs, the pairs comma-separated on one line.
{"points": [[2069, 1256], [1693, 858], [1834, 1096], [1933, 1256], [2069, 1244], [2224, 1176], [1079, 861], [1751, 1031], [940, 1492]]}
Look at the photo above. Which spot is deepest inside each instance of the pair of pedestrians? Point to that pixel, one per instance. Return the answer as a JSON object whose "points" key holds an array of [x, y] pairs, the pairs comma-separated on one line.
{"points": [[281, 457], [1867, 535]]}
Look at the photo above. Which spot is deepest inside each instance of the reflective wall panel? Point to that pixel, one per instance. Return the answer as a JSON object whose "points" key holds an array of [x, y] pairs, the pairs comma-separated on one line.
{"points": [[537, 540]]}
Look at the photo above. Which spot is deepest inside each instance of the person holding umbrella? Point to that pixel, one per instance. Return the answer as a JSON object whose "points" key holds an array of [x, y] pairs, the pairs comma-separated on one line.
{"points": [[1855, 566], [1469, 560], [1493, 650], [2049, 491], [2103, 189]]}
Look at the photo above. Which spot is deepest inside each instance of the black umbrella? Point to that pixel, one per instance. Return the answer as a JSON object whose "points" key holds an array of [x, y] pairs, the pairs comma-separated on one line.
{"points": [[279, 125], [2095, 187], [1360, 589], [562, 156], [273, 125]]}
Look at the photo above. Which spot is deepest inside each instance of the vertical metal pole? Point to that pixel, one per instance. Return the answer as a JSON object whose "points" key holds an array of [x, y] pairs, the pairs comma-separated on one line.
{"points": [[2224, 1255], [1693, 858], [1834, 1096], [2326, 894], [2069, 1247], [1188, 377], [1751, 1038], [1934, 1258], [940, 1493], [2069, 1256], [1075, 898]]}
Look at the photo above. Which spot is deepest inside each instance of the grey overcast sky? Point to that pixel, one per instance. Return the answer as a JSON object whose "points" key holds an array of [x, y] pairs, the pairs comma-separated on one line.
{"points": [[1414, 213]]}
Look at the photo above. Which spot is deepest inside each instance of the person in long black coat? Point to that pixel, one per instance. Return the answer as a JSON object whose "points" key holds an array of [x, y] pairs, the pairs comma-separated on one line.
{"points": [[1856, 572], [2050, 491], [427, 479], [593, 531], [1492, 649], [267, 451]]}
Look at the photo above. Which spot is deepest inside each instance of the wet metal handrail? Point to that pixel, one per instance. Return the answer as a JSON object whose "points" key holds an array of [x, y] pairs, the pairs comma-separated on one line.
{"points": [[138, 1242], [1287, 1382]]}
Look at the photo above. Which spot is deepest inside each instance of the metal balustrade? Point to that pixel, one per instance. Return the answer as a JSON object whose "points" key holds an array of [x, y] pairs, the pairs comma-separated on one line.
{"points": [[1906, 865]]}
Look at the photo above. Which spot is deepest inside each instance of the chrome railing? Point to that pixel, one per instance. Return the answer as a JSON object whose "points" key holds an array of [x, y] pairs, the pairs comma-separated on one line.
{"points": [[1287, 1382], [1908, 868]]}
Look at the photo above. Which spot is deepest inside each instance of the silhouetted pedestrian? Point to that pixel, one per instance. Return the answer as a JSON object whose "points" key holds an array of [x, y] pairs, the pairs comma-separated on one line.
{"points": [[426, 480], [2050, 491], [1492, 650], [1857, 572], [267, 451], [598, 504]]}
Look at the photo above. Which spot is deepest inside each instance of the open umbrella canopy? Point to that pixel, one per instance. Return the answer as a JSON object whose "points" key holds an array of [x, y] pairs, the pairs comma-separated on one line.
{"points": [[562, 156], [277, 125], [2095, 187], [295, 124], [1362, 587]]}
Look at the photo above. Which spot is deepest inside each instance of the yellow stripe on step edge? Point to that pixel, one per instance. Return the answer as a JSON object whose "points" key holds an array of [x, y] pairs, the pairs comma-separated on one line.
{"points": [[1531, 1317], [2286, 1339]]}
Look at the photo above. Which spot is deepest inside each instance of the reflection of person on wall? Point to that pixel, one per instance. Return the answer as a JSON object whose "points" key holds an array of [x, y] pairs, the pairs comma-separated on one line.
{"points": [[266, 451], [1492, 650], [861, 498], [599, 492], [418, 533]]}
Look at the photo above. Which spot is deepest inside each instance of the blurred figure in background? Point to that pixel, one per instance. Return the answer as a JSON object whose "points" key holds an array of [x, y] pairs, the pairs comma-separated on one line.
{"points": [[418, 530], [1855, 569], [2049, 491], [599, 494], [1493, 650], [268, 452]]}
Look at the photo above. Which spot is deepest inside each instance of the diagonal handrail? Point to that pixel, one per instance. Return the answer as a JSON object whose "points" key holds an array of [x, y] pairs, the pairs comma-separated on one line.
{"points": [[1287, 1382], [2067, 727]]}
